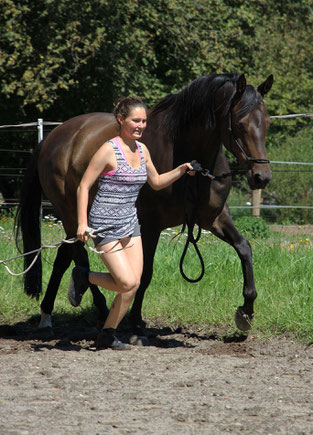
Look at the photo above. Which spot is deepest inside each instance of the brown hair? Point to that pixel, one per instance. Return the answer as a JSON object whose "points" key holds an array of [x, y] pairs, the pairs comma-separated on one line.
{"points": [[124, 105]]}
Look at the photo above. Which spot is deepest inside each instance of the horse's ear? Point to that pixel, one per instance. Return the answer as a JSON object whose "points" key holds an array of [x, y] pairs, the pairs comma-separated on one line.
{"points": [[265, 87], [241, 87]]}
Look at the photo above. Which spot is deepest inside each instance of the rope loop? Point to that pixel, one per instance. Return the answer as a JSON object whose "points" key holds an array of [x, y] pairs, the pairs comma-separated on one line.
{"points": [[193, 195], [193, 241]]}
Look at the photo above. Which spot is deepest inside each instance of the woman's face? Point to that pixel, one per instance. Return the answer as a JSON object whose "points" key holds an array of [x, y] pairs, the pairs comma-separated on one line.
{"points": [[134, 124]]}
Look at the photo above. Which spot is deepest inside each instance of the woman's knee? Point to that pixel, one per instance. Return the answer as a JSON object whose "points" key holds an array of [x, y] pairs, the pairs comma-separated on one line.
{"points": [[129, 286]]}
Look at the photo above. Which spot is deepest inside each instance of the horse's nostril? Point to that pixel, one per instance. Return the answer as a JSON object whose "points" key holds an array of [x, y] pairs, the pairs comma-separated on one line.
{"points": [[259, 181], [258, 178]]}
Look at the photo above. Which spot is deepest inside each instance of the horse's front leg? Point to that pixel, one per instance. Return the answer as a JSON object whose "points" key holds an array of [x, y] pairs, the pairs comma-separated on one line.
{"points": [[224, 228]]}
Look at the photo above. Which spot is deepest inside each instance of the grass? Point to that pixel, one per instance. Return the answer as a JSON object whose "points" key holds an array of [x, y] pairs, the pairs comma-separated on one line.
{"points": [[282, 267]]}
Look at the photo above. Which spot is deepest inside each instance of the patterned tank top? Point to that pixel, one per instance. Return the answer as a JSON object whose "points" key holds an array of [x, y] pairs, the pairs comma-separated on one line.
{"points": [[115, 202]]}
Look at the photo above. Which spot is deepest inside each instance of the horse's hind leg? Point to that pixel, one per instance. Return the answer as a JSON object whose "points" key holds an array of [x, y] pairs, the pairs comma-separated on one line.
{"points": [[224, 228], [66, 253], [60, 265], [80, 257]]}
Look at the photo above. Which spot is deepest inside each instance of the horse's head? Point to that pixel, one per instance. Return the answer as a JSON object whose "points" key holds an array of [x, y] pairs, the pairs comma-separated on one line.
{"points": [[246, 124], [215, 108]]}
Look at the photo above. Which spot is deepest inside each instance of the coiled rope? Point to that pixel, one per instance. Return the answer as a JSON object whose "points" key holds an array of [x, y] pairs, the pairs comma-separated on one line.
{"points": [[193, 196]]}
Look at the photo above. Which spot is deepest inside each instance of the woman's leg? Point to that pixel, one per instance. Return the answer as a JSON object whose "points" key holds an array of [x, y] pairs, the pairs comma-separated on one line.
{"points": [[124, 261]]}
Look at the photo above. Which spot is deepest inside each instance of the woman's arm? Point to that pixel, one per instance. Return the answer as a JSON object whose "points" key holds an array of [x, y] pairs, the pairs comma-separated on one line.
{"points": [[103, 160], [160, 181]]}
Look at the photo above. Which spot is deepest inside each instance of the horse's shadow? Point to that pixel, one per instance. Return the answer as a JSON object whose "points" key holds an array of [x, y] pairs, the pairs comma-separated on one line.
{"points": [[70, 332], [73, 332], [181, 336]]}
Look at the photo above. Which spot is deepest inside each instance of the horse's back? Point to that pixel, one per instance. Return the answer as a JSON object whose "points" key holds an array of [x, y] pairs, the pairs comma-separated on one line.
{"points": [[72, 136], [64, 157]]}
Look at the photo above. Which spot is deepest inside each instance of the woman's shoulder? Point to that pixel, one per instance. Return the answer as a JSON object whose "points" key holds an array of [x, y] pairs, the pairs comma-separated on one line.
{"points": [[140, 143], [142, 146], [145, 150], [107, 146], [105, 151]]}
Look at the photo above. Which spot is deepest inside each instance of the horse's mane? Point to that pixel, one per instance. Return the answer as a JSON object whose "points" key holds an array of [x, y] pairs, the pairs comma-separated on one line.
{"points": [[196, 102]]}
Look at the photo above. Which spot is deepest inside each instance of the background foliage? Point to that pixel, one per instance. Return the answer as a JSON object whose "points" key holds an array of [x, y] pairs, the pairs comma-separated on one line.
{"points": [[293, 185], [61, 59]]}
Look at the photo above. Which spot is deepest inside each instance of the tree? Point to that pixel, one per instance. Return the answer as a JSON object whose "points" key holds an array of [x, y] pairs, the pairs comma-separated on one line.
{"points": [[60, 59], [283, 46], [43, 45]]}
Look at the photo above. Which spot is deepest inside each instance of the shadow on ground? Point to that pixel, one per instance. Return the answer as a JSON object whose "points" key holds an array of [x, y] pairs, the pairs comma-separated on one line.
{"points": [[75, 332]]}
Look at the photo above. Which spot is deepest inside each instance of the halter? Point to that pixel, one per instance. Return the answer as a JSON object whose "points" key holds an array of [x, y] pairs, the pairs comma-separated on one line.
{"points": [[235, 140]]}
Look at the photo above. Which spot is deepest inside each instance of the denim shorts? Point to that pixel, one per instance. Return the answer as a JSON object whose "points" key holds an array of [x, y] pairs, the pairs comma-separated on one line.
{"points": [[99, 240]]}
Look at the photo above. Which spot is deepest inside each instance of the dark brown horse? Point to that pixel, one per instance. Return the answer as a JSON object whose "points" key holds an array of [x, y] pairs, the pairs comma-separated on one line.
{"points": [[191, 125]]}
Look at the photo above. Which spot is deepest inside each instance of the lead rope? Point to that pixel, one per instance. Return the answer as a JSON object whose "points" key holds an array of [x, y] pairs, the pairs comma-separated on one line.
{"points": [[194, 198], [92, 233]]}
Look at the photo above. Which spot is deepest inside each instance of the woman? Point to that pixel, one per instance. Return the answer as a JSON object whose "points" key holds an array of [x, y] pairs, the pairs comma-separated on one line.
{"points": [[123, 165]]}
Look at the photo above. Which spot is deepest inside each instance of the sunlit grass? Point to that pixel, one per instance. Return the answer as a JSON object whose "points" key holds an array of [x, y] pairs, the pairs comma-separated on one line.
{"points": [[282, 268]]}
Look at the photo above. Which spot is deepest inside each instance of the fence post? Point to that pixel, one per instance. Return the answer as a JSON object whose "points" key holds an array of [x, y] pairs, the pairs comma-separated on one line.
{"points": [[40, 138], [40, 129], [256, 201]]}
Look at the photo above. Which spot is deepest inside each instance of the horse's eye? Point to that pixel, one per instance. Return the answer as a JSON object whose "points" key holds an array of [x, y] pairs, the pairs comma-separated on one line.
{"points": [[241, 127]]}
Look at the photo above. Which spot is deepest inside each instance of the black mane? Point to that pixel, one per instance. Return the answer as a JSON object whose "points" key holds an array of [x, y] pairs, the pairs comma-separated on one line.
{"points": [[196, 102]]}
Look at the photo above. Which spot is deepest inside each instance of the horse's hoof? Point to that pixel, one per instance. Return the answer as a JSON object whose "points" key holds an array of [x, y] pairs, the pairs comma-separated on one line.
{"points": [[243, 320], [45, 321], [139, 340]]}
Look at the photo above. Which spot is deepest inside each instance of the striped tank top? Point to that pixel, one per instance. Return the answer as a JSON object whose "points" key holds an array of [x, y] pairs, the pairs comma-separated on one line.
{"points": [[115, 202]]}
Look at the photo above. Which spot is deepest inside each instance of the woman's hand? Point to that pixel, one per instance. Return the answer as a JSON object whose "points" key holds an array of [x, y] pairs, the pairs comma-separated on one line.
{"points": [[82, 233], [161, 181], [189, 169]]}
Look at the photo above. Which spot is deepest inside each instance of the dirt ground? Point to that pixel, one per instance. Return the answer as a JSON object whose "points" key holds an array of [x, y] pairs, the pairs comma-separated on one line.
{"points": [[187, 381]]}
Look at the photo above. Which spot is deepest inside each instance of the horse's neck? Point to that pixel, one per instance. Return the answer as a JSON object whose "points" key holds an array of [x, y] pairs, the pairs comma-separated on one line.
{"points": [[199, 144], [203, 145]]}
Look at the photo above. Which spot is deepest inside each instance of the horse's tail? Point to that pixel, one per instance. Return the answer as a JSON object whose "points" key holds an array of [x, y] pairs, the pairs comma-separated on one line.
{"points": [[28, 225]]}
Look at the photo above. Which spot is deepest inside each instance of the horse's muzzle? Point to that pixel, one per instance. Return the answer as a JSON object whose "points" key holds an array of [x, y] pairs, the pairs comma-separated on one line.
{"points": [[259, 176]]}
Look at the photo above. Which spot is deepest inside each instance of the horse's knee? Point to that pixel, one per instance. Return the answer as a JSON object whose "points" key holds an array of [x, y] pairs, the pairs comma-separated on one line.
{"points": [[244, 249]]}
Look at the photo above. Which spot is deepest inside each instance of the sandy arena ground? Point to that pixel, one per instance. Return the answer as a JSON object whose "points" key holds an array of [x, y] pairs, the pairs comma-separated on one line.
{"points": [[186, 382]]}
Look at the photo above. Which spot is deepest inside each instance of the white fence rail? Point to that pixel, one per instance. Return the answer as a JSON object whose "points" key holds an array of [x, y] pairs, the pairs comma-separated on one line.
{"points": [[40, 126], [292, 115]]}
